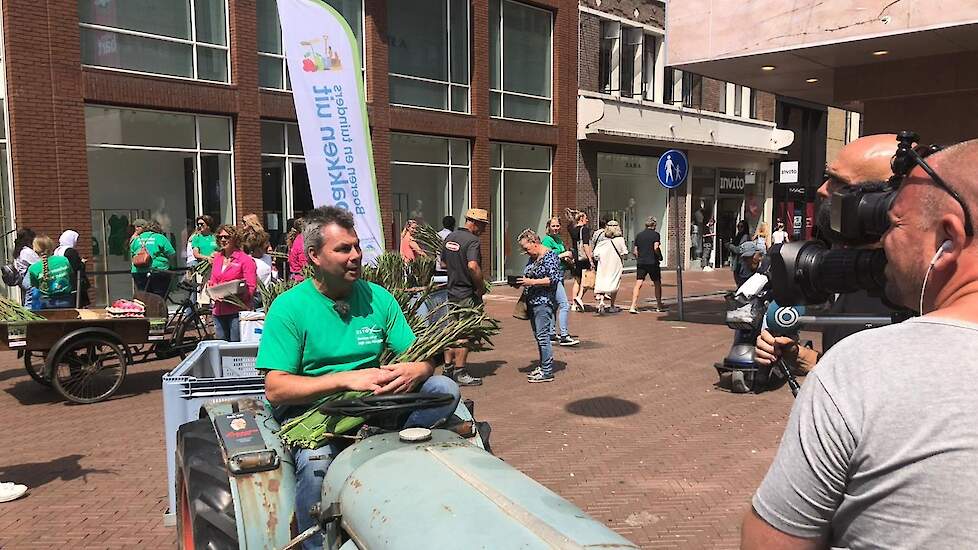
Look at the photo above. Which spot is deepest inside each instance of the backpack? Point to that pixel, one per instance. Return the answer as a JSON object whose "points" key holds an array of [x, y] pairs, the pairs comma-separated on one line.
{"points": [[11, 275], [143, 257]]}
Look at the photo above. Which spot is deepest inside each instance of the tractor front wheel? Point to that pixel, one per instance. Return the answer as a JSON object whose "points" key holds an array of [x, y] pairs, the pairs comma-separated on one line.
{"points": [[205, 508]]}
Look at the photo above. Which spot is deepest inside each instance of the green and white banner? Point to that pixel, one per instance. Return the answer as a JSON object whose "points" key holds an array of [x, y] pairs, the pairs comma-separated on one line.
{"points": [[327, 87]]}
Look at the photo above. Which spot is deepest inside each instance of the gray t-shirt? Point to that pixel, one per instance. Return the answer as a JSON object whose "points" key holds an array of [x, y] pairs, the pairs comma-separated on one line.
{"points": [[881, 448]]}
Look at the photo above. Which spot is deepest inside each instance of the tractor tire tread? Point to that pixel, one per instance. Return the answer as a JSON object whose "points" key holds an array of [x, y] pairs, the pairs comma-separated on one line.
{"points": [[211, 506]]}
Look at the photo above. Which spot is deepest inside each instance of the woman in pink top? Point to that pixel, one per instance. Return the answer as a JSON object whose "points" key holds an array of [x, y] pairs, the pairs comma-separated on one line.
{"points": [[297, 253], [409, 247], [230, 263]]}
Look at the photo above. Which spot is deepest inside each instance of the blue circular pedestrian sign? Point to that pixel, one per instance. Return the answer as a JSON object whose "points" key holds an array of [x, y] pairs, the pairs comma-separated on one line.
{"points": [[673, 169]]}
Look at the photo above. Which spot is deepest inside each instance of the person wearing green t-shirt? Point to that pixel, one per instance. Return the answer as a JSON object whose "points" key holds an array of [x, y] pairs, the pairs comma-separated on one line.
{"points": [[553, 241], [327, 334], [50, 278], [152, 278], [203, 243]]}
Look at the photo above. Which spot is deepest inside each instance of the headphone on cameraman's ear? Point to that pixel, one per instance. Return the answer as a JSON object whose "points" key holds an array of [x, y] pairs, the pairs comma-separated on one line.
{"points": [[946, 246]]}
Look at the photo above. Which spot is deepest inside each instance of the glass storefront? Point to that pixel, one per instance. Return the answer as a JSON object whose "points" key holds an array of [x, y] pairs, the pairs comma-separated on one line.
{"points": [[702, 245], [168, 167], [726, 196], [520, 199], [284, 181], [629, 192], [429, 180]]}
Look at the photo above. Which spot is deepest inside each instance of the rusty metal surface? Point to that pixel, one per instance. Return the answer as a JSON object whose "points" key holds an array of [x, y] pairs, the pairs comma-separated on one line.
{"points": [[264, 502]]}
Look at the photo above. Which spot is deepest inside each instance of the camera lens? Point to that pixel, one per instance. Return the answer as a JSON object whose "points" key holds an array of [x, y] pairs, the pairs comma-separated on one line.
{"points": [[809, 273]]}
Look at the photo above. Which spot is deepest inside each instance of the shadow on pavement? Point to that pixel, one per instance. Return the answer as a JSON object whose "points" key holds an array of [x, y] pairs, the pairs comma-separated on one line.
{"points": [[36, 474], [13, 373], [29, 392], [701, 312], [484, 369], [605, 406]]}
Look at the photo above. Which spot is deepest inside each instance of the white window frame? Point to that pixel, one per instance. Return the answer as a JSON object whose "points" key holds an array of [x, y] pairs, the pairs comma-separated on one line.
{"points": [[502, 77], [290, 158], [449, 85], [647, 85], [192, 42], [197, 151], [286, 87], [498, 257], [449, 165], [10, 213]]}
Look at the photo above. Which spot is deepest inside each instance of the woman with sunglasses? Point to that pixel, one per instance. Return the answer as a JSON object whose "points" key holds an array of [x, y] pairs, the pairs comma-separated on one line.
{"points": [[230, 264], [203, 243]]}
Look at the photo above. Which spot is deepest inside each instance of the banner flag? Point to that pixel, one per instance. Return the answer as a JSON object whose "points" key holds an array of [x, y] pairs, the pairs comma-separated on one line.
{"points": [[327, 87]]}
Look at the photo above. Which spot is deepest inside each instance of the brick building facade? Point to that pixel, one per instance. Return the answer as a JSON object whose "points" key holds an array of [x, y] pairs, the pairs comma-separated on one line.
{"points": [[80, 70]]}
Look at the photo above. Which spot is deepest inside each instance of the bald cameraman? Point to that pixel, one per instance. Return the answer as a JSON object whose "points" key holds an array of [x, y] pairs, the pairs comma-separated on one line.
{"points": [[881, 445], [863, 161]]}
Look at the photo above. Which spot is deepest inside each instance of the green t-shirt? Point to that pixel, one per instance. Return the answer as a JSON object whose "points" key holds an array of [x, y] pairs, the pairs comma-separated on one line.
{"points": [[159, 248], [556, 245], [304, 335], [205, 244], [59, 277]]}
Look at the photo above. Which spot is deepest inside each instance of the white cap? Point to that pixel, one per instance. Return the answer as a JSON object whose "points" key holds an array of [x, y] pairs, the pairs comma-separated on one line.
{"points": [[414, 435]]}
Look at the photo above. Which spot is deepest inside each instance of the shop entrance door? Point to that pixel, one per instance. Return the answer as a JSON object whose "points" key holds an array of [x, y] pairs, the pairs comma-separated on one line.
{"points": [[730, 210]]}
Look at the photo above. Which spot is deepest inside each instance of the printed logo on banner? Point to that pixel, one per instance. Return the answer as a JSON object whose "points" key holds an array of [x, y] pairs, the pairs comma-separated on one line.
{"points": [[323, 59]]}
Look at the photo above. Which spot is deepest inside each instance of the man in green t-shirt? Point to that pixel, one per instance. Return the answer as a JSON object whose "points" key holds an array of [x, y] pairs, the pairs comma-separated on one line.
{"points": [[326, 335]]}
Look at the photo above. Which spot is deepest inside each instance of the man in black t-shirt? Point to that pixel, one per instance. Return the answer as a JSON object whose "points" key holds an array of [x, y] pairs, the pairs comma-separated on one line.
{"points": [[462, 256], [649, 255], [583, 258]]}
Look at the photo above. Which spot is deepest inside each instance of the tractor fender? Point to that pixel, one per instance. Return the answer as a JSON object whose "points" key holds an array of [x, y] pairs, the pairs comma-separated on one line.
{"points": [[75, 335], [264, 499]]}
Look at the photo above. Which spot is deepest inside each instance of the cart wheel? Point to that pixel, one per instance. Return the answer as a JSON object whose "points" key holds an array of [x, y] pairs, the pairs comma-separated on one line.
{"points": [[89, 369], [34, 364], [192, 331]]}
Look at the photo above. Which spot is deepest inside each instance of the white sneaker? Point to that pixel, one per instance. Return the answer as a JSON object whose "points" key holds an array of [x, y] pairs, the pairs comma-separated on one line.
{"points": [[11, 491]]}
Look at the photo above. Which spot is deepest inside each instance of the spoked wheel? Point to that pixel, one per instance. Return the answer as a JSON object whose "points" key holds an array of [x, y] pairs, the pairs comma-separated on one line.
{"points": [[89, 369], [192, 331], [34, 364]]}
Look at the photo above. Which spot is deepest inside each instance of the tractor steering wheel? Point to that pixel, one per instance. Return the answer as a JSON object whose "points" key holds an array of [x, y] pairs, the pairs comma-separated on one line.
{"points": [[373, 405]]}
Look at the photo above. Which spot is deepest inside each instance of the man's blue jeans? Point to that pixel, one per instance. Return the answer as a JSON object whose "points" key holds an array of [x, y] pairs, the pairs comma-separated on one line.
{"points": [[541, 320], [311, 464]]}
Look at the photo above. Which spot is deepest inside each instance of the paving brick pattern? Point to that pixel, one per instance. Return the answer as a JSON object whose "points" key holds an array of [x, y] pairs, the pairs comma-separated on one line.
{"points": [[632, 431]]}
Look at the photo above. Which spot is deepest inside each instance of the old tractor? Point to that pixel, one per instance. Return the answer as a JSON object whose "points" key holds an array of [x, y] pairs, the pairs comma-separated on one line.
{"points": [[233, 483]]}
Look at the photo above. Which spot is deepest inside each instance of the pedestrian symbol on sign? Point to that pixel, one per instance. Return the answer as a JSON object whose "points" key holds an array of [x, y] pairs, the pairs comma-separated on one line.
{"points": [[673, 168]]}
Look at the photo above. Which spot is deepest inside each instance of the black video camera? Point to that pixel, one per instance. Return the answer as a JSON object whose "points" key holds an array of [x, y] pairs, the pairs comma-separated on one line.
{"points": [[810, 272]]}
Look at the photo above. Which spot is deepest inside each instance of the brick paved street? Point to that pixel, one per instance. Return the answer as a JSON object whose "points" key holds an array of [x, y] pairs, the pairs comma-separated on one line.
{"points": [[633, 431]]}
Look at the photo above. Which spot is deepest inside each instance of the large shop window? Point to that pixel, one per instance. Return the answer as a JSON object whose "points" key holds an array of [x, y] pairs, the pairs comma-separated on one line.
{"points": [[628, 193], [272, 70], [182, 38], [429, 54], [285, 187], [169, 167], [520, 199], [6, 187], [429, 180], [521, 60]]}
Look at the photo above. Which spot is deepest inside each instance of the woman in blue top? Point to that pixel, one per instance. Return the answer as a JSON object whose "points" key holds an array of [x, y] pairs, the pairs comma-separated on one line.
{"points": [[540, 278]]}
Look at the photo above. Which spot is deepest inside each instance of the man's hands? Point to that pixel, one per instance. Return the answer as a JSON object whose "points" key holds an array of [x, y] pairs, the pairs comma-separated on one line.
{"points": [[368, 379], [770, 348], [404, 377]]}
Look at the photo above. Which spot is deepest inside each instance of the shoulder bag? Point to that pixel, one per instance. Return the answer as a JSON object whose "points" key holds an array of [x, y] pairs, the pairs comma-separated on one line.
{"points": [[142, 258], [521, 311]]}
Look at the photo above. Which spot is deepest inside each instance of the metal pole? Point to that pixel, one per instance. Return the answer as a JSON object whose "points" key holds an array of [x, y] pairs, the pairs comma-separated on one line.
{"points": [[679, 260]]}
